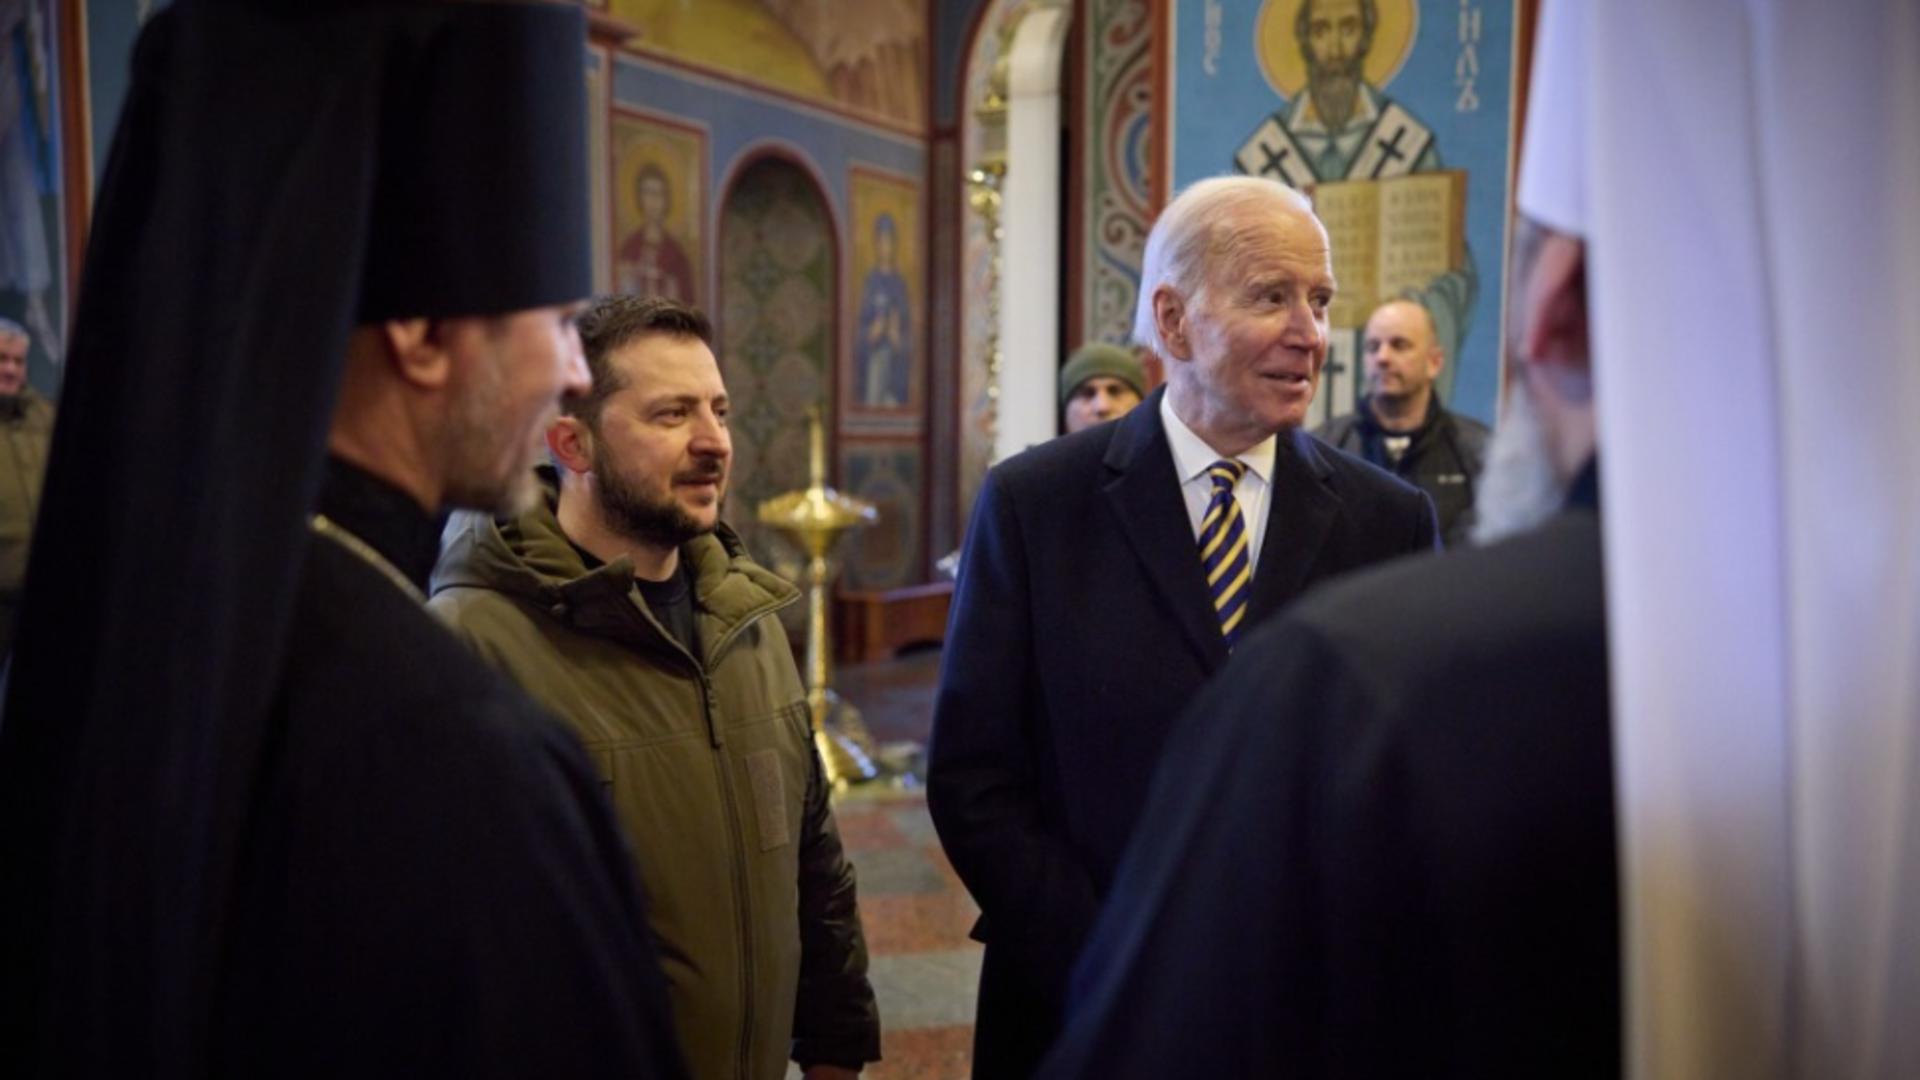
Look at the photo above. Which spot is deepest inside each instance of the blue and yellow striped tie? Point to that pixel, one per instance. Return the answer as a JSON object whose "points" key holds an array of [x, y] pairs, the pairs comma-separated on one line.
{"points": [[1223, 549]]}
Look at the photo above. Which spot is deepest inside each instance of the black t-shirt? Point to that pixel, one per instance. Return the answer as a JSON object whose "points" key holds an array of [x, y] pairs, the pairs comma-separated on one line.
{"points": [[670, 601]]}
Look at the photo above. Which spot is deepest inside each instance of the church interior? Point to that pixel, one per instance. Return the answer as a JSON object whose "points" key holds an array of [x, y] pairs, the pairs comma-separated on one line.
{"points": [[904, 214], [903, 217]]}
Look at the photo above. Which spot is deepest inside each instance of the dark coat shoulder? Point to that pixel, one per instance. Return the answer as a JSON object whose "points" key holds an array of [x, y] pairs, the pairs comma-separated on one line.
{"points": [[1419, 754], [433, 883]]}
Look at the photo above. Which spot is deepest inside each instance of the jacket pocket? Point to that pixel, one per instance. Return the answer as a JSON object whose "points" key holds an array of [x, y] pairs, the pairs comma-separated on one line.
{"points": [[769, 797]]}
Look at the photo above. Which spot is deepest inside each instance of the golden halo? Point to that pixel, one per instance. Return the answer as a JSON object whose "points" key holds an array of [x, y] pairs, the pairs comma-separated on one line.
{"points": [[1286, 70]]}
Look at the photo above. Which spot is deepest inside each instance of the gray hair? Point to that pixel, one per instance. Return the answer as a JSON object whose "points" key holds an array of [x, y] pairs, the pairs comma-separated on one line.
{"points": [[9, 328], [1200, 229]]}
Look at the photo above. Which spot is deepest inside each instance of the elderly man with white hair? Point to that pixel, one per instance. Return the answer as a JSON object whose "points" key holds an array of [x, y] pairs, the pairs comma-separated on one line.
{"points": [[1108, 574]]}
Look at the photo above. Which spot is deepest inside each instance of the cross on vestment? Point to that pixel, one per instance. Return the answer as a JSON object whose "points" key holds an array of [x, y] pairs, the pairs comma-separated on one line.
{"points": [[1389, 151], [1276, 159]]}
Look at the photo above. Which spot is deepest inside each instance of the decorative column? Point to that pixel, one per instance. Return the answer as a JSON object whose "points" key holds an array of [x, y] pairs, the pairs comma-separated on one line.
{"points": [[985, 182]]}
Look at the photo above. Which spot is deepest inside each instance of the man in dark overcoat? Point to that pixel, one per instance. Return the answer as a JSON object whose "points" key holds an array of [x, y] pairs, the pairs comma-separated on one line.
{"points": [[1108, 573], [1388, 849]]}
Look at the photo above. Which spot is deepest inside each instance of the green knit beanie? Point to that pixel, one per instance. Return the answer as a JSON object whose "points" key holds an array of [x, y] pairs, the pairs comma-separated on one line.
{"points": [[1100, 358]]}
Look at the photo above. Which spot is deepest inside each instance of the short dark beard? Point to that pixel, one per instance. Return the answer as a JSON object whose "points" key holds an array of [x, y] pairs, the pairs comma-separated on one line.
{"points": [[660, 523]]}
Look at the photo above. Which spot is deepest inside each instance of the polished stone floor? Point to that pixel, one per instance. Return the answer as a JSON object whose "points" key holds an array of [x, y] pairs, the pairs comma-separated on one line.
{"points": [[916, 913]]}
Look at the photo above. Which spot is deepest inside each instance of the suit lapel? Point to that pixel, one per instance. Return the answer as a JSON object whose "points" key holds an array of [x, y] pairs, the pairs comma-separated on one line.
{"points": [[1144, 491], [1300, 512]]}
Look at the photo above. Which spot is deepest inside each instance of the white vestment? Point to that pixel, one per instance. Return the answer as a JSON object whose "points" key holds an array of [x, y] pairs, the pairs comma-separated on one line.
{"points": [[1747, 175]]}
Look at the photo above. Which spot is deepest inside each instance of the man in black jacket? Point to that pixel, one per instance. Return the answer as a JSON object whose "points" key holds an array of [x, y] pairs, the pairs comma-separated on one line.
{"points": [[1401, 425]]}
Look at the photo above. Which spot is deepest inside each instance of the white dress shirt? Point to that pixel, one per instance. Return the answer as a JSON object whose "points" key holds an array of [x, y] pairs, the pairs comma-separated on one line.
{"points": [[1191, 459]]}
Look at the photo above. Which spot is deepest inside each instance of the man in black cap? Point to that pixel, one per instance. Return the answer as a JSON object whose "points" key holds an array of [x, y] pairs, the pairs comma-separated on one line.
{"points": [[1099, 382], [260, 814]]}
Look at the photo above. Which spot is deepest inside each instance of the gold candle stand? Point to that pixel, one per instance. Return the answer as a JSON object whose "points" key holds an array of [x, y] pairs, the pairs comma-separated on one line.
{"points": [[816, 519]]}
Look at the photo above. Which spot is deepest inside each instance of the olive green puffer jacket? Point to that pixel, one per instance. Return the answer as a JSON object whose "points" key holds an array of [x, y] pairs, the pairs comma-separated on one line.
{"points": [[26, 430], [710, 765]]}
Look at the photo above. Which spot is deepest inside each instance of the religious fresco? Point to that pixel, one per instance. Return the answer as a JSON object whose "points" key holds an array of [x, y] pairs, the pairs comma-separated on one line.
{"points": [[1117, 126], [1395, 117], [865, 57], [776, 335], [659, 192], [33, 255], [887, 294], [889, 475]]}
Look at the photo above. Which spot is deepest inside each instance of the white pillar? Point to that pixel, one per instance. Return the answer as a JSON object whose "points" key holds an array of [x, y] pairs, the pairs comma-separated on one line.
{"points": [[1030, 245]]}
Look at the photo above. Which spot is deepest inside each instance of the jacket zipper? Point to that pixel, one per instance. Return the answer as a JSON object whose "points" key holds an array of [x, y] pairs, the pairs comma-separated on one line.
{"points": [[740, 882], [700, 667]]}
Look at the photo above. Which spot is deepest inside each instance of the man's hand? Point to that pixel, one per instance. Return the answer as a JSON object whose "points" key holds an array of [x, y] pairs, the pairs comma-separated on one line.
{"points": [[831, 1072]]}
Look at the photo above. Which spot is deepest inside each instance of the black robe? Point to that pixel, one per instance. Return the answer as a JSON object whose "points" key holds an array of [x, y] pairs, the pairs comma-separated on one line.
{"points": [[185, 688], [1384, 846], [431, 884]]}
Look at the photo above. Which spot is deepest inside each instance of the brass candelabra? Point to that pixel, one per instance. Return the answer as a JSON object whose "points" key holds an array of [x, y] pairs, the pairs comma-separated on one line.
{"points": [[816, 519]]}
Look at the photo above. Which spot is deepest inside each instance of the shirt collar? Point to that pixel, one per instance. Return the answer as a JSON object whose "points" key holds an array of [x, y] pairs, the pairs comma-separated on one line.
{"points": [[1192, 455], [381, 516]]}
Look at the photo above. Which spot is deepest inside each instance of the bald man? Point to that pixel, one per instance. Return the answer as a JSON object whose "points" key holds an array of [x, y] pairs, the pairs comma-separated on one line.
{"points": [[1401, 425]]}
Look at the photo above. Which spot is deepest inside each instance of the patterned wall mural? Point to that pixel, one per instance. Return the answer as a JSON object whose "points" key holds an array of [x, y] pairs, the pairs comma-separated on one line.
{"points": [[1117, 127], [868, 57], [777, 333], [891, 477]]}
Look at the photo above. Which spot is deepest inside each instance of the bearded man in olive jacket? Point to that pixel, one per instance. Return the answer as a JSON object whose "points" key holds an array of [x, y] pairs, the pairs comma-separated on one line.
{"points": [[624, 605]]}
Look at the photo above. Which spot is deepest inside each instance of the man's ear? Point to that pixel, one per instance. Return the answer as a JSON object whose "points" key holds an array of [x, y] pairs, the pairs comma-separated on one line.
{"points": [[571, 444], [1170, 321], [1555, 327], [418, 349]]}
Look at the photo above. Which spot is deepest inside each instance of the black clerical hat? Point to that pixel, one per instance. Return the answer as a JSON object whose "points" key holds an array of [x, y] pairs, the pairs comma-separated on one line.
{"points": [[281, 172]]}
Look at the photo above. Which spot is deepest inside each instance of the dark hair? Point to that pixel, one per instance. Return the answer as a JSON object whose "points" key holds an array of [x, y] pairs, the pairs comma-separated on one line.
{"points": [[610, 323]]}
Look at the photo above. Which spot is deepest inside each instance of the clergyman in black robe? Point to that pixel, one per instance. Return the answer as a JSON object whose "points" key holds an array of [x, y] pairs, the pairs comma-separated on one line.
{"points": [[259, 815], [432, 885]]}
